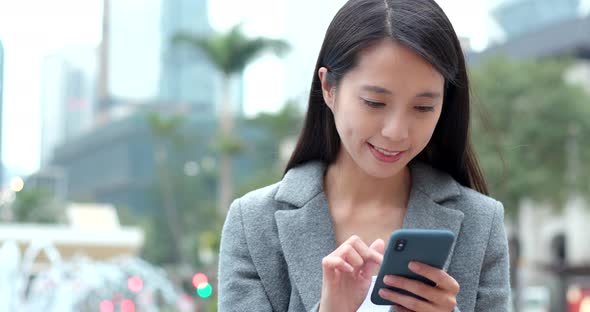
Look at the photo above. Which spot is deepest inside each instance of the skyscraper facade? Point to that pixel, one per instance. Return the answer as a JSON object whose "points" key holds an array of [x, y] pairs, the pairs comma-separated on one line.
{"points": [[186, 75]]}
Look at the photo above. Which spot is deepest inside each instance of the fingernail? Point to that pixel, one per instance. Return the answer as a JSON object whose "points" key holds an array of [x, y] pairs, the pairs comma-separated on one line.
{"points": [[414, 266], [389, 279]]}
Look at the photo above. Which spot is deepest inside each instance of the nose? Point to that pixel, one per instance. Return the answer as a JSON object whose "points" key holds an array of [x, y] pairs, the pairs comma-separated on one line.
{"points": [[396, 127]]}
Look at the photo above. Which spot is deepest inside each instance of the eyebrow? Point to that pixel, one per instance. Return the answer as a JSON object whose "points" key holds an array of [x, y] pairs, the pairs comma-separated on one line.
{"points": [[377, 89], [429, 94]]}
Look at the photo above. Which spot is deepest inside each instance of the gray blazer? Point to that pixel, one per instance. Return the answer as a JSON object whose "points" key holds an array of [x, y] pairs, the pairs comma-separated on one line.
{"points": [[274, 239]]}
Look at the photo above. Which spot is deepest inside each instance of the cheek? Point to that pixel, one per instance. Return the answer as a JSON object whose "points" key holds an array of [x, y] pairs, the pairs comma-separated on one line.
{"points": [[346, 129], [426, 132], [356, 129], [347, 123]]}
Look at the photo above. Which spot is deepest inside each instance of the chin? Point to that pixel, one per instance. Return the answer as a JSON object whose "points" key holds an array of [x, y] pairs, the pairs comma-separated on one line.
{"points": [[384, 171]]}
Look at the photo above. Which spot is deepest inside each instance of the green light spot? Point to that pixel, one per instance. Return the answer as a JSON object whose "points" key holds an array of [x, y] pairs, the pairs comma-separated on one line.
{"points": [[205, 292]]}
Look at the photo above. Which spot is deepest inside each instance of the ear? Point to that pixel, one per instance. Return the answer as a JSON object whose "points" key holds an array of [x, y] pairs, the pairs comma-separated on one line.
{"points": [[329, 92]]}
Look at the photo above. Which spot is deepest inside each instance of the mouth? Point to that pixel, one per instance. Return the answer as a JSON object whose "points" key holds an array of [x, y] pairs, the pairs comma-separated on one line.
{"points": [[385, 155]]}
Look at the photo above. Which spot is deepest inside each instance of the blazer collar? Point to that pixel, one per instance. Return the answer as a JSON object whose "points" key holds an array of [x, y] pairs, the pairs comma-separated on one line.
{"points": [[302, 183], [305, 228]]}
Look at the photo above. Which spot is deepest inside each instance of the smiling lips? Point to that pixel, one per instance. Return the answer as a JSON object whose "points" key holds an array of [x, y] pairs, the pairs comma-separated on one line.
{"points": [[385, 155]]}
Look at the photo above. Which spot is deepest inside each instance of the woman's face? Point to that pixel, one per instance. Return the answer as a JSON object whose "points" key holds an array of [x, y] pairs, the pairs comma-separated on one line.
{"points": [[386, 108]]}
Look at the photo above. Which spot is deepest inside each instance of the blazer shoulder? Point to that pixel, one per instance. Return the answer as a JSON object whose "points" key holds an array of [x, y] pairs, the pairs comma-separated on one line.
{"points": [[258, 204], [477, 207]]}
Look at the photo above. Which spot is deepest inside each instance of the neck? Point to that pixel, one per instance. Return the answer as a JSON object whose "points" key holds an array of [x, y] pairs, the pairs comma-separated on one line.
{"points": [[348, 185]]}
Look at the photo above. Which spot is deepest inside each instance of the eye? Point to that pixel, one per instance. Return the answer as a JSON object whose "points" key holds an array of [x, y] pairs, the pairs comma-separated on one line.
{"points": [[424, 109], [373, 104]]}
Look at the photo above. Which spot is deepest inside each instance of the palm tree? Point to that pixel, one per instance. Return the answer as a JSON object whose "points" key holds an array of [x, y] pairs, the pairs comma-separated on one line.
{"points": [[164, 131], [230, 52]]}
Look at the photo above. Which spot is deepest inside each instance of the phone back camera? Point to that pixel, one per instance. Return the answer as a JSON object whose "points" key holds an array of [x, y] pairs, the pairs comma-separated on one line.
{"points": [[400, 244]]}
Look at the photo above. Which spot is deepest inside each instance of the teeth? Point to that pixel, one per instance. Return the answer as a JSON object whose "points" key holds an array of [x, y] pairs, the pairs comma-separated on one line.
{"points": [[386, 152]]}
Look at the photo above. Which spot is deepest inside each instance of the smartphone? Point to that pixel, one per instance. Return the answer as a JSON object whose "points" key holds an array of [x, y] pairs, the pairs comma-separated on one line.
{"points": [[430, 247]]}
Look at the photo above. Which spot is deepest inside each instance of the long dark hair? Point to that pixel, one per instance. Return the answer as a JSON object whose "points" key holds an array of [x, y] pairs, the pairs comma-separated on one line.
{"points": [[422, 26]]}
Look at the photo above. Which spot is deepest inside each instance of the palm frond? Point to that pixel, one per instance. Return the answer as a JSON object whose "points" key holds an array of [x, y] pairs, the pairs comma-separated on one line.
{"points": [[231, 51]]}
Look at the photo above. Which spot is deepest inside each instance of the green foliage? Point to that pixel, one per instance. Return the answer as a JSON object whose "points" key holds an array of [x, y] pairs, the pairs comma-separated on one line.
{"points": [[35, 205], [166, 128], [229, 145], [157, 248], [231, 51], [522, 140], [283, 124], [197, 216], [261, 179]]}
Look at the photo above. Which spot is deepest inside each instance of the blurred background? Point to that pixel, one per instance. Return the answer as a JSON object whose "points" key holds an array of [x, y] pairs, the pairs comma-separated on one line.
{"points": [[128, 126]]}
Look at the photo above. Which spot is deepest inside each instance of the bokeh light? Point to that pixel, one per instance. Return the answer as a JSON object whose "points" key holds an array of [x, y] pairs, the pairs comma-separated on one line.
{"points": [[204, 290], [17, 184], [199, 279], [127, 306], [574, 295], [106, 306], [135, 284], [191, 168]]}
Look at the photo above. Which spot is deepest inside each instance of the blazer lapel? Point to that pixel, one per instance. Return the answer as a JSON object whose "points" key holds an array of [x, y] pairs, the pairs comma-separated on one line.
{"points": [[430, 189], [306, 234]]}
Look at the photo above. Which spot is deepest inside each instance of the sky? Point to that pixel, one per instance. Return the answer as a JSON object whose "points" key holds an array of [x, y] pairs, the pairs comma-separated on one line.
{"points": [[31, 29]]}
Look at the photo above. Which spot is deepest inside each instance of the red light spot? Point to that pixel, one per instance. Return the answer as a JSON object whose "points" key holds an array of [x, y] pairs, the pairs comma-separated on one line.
{"points": [[199, 279], [106, 306], [127, 306], [135, 284]]}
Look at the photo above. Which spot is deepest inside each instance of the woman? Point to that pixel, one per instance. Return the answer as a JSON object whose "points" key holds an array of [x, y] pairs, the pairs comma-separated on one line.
{"points": [[385, 145]]}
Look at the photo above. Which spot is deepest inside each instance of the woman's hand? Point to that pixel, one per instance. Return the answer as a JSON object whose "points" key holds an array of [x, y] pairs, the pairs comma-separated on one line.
{"points": [[347, 274], [443, 297]]}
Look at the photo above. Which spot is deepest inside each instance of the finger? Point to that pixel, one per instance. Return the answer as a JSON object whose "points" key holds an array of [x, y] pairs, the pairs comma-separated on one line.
{"points": [[425, 291], [400, 309], [407, 302], [350, 255], [331, 263], [363, 250], [379, 246], [372, 267], [441, 278]]}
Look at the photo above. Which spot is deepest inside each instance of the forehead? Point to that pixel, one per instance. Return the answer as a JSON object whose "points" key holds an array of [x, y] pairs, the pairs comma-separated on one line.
{"points": [[392, 65]]}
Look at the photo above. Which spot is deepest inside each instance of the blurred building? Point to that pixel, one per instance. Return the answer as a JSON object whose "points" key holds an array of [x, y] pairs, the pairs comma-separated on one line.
{"points": [[110, 164], [553, 255], [518, 17], [139, 63], [566, 38], [1, 109], [118, 164], [187, 77], [570, 38], [128, 59], [138, 71], [67, 98], [50, 179]]}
